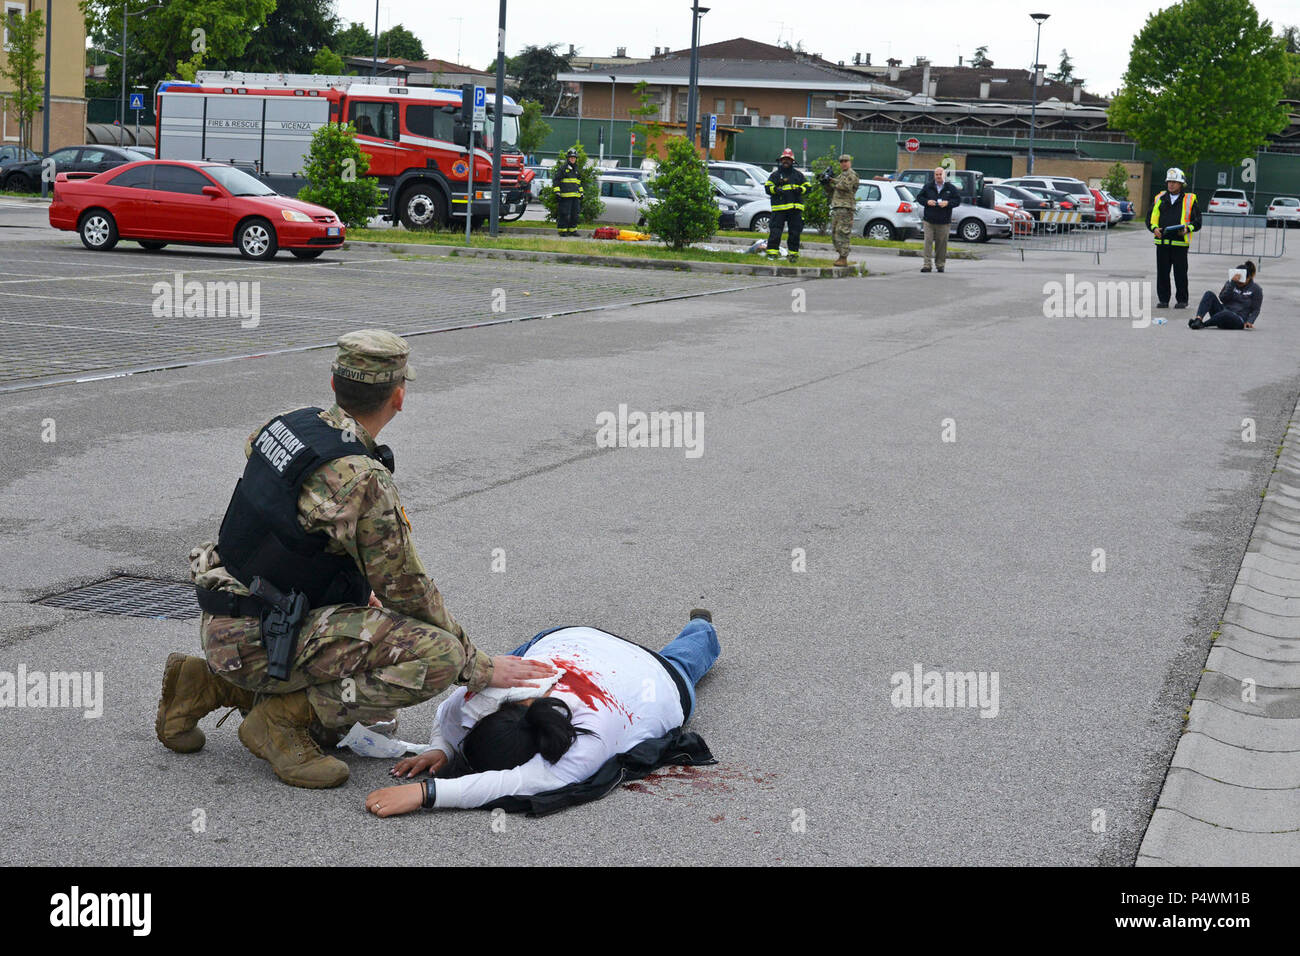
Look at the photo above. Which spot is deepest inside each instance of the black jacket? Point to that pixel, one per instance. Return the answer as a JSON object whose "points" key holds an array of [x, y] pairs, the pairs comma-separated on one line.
{"points": [[1245, 301], [938, 214]]}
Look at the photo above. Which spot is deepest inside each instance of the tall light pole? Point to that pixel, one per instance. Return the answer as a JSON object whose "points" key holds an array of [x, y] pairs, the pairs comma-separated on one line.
{"points": [[1033, 106], [45, 96], [498, 108], [121, 114], [697, 11], [374, 61]]}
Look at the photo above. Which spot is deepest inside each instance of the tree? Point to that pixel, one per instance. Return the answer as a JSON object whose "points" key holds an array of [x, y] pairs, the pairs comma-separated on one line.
{"points": [[592, 206], [980, 60], [533, 130], [336, 175], [328, 63], [1203, 82], [181, 32], [21, 70], [1291, 40], [289, 39], [1065, 72], [534, 70], [816, 203], [400, 42], [686, 211], [647, 132], [356, 40], [1116, 181]]}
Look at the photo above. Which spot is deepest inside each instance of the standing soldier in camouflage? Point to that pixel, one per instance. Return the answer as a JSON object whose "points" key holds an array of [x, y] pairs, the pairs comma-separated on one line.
{"points": [[317, 514], [843, 191], [567, 180]]}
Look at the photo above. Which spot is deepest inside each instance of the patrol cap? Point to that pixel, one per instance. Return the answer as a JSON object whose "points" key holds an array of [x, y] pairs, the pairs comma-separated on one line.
{"points": [[374, 357], [845, 156]]}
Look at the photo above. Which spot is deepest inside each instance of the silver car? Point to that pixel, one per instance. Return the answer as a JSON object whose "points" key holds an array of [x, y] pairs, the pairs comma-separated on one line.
{"points": [[625, 199], [886, 210]]}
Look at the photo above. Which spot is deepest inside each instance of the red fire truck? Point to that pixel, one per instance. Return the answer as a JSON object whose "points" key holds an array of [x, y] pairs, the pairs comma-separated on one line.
{"points": [[414, 136]]}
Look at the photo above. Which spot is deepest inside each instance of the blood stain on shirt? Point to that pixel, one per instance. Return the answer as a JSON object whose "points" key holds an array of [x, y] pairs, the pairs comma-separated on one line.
{"points": [[579, 682]]}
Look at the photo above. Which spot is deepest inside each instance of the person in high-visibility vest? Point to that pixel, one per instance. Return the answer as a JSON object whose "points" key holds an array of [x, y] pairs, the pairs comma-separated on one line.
{"points": [[787, 186], [1174, 217], [567, 180]]}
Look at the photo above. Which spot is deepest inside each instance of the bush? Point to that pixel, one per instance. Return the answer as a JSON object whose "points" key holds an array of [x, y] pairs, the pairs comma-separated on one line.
{"points": [[817, 202], [686, 211], [1116, 181], [592, 206], [336, 175]]}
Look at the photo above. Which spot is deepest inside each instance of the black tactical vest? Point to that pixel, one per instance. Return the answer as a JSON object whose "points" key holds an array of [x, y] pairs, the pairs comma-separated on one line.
{"points": [[260, 534]]}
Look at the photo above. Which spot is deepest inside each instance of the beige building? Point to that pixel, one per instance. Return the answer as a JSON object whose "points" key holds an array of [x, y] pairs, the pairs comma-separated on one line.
{"points": [[67, 77]]}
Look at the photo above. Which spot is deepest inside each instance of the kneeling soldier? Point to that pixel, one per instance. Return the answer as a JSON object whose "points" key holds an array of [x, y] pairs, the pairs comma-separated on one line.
{"points": [[316, 609]]}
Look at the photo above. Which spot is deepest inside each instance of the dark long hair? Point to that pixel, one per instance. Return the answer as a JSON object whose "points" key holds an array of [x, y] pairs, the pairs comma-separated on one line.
{"points": [[1250, 269], [515, 734]]}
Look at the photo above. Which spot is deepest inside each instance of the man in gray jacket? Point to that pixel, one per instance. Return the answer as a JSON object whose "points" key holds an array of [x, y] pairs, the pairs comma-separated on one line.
{"points": [[938, 198]]}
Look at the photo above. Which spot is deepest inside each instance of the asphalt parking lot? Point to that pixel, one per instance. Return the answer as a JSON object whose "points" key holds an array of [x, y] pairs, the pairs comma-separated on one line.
{"points": [[835, 533], [70, 313]]}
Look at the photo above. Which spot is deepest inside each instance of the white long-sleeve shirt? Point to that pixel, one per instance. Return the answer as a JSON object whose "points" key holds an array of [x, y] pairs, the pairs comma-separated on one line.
{"points": [[614, 688]]}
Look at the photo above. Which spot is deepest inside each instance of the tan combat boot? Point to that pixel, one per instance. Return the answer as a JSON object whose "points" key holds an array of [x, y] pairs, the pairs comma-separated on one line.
{"points": [[842, 261], [277, 731], [190, 691]]}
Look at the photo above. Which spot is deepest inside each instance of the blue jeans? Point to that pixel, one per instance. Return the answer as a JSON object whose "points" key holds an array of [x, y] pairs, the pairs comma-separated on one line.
{"points": [[692, 652]]}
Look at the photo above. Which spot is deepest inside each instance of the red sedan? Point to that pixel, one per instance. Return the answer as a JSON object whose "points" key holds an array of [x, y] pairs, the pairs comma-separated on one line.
{"points": [[207, 204]]}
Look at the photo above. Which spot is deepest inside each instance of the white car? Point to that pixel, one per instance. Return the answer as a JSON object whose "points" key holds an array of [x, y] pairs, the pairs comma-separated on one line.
{"points": [[886, 210], [1079, 191], [1229, 202], [747, 178], [625, 199], [1283, 211]]}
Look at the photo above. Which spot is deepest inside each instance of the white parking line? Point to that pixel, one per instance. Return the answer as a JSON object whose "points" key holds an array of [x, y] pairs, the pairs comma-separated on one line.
{"points": [[167, 271]]}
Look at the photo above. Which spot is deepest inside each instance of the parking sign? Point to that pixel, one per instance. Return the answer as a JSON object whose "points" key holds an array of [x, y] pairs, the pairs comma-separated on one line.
{"points": [[137, 101], [480, 105], [713, 130]]}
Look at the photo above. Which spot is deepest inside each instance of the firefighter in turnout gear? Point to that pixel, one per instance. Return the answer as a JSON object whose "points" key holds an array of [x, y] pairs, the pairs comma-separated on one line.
{"points": [[350, 628], [1175, 215], [567, 180], [787, 187]]}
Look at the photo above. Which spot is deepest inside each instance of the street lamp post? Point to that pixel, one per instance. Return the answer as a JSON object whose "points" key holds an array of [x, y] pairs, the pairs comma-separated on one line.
{"points": [[121, 112], [374, 60], [1033, 106], [697, 11], [613, 81], [45, 96]]}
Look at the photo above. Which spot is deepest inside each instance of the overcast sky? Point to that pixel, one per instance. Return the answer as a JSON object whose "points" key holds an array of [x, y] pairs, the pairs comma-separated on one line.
{"points": [[1097, 33]]}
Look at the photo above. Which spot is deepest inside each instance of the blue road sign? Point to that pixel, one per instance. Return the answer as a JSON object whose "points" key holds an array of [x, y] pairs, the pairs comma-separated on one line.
{"points": [[137, 101]]}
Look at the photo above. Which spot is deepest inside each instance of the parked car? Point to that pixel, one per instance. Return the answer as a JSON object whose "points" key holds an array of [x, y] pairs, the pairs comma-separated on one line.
{"points": [[1022, 222], [10, 154], [729, 202], [625, 199], [541, 178], [970, 221], [1102, 210], [1081, 194], [1283, 211], [969, 182], [1126, 208], [1062, 201], [886, 210], [1229, 202], [746, 177], [156, 202], [25, 176]]}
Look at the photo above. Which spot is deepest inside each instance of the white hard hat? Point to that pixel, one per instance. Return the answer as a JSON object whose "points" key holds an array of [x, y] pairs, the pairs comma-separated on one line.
{"points": [[1175, 175]]}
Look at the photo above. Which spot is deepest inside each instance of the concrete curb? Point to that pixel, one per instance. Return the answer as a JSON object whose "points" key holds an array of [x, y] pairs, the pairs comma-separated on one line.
{"points": [[630, 262], [1232, 793]]}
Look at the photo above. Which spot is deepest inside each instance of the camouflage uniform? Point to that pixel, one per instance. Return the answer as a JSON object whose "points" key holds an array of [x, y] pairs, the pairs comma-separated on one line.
{"points": [[843, 190], [357, 663]]}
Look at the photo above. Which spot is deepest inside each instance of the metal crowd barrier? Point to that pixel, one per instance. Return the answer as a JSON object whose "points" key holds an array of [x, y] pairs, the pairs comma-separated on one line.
{"points": [[1243, 237], [1057, 230]]}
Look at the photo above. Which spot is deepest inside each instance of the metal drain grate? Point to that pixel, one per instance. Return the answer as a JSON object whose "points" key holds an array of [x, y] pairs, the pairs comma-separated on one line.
{"points": [[132, 597]]}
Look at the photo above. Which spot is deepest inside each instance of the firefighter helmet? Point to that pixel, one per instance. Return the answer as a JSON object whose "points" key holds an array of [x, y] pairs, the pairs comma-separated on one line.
{"points": [[786, 153], [1175, 175]]}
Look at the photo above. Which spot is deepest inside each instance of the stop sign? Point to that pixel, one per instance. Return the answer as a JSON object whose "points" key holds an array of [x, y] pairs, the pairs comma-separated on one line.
{"points": [[913, 145]]}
